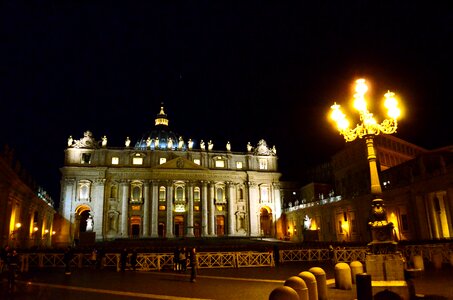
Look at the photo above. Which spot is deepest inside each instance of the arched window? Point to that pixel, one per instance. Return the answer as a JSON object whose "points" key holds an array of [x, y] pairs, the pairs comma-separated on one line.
{"points": [[196, 194], [241, 194], [220, 194], [136, 193], [113, 191], [162, 193], [179, 193], [264, 193]]}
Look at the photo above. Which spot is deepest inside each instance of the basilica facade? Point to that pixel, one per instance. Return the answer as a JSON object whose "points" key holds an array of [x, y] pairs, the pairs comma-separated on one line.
{"points": [[166, 186]]}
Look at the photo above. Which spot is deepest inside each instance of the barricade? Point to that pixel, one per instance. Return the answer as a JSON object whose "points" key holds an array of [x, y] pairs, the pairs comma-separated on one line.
{"points": [[298, 284], [283, 293], [310, 281], [356, 268], [321, 282], [343, 280]]}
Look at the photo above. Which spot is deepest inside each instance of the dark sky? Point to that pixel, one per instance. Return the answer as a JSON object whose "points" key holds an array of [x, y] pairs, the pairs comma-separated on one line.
{"points": [[225, 70]]}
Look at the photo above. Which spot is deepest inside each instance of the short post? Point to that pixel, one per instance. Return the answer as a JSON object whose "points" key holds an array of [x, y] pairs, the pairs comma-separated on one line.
{"points": [[356, 268], [364, 289], [298, 284], [310, 281], [437, 260], [283, 293], [418, 262], [321, 282], [343, 280]]}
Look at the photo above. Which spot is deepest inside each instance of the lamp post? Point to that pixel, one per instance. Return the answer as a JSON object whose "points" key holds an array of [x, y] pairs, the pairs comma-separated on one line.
{"points": [[367, 129]]}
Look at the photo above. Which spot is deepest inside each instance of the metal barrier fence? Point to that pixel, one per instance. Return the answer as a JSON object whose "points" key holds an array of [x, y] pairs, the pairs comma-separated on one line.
{"points": [[152, 261], [161, 261]]}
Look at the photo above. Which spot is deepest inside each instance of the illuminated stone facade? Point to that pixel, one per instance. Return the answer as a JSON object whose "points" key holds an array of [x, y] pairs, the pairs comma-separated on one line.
{"points": [[417, 192], [26, 211], [163, 186]]}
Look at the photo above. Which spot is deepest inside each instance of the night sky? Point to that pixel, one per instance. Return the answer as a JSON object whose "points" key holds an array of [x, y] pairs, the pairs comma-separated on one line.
{"points": [[233, 71]]}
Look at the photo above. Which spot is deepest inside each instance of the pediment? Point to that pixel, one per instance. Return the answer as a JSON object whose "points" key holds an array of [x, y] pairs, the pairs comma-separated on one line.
{"points": [[180, 163]]}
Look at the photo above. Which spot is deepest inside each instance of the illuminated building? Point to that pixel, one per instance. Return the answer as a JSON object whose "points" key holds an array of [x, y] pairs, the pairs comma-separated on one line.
{"points": [[26, 210], [167, 186]]}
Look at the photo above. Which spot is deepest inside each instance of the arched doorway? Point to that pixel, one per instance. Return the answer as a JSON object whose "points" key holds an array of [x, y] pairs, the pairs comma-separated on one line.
{"points": [[83, 226], [161, 230], [266, 221], [135, 226], [179, 226], [220, 225]]}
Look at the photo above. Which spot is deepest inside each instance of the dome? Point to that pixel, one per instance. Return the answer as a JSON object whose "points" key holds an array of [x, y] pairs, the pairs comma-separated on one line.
{"points": [[161, 137]]}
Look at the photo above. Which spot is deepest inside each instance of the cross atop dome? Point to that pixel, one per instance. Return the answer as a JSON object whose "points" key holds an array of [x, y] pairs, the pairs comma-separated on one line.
{"points": [[161, 117]]}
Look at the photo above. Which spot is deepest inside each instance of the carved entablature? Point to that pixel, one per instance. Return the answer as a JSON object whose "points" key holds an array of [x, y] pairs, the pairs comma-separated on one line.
{"points": [[99, 181], [86, 142], [262, 149]]}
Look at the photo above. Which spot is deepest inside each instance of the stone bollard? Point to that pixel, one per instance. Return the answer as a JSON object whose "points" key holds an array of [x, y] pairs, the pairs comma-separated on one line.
{"points": [[298, 284], [364, 289], [437, 261], [321, 282], [418, 262], [283, 293], [310, 281], [343, 280], [356, 268]]}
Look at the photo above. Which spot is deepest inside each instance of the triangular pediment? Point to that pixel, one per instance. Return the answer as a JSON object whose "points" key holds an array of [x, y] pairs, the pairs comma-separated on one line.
{"points": [[180, 163]]}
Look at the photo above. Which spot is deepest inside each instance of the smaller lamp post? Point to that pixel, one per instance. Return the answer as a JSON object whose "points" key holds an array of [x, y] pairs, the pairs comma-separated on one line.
{"points": [[368, 128]]}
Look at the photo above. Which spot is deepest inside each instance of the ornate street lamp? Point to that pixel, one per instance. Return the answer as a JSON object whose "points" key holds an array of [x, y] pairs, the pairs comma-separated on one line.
{"points": [[382, 231]]}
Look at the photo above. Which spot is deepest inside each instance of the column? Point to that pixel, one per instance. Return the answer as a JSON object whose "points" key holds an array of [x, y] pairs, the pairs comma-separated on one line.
{"points": [[253, 195], [124, 208], [231, 201], [190, 210], [278, 230], [146, 210], [277, 200], [98, 208], [155, 210], [204, 208], [169, 227], [211, 206]]}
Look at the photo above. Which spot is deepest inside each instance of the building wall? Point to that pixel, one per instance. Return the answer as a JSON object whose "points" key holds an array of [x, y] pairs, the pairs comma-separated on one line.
{"points": [[417, 189], [187, 194], [23, 204]]}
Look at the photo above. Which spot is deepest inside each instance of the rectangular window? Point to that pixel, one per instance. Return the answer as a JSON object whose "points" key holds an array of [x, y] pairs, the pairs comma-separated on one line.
{"points": [[196, 208], [263, 164], [239, 165], [220, 164], [86, 158], [162, 207], [162, 160], [137, 160], [115, 160], [197, 161]]}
